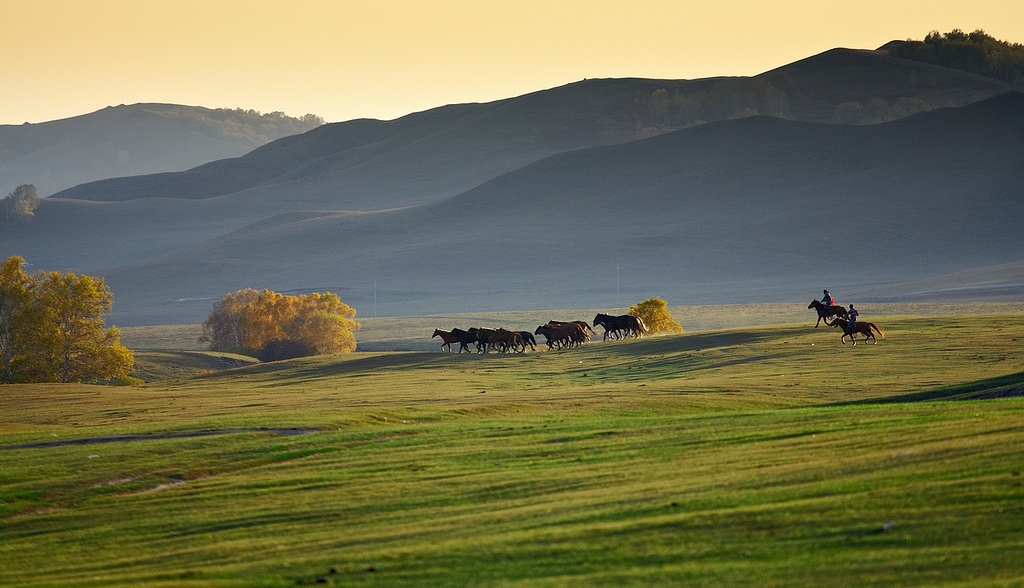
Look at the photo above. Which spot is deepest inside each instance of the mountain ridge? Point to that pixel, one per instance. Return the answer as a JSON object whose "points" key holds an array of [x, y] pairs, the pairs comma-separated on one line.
{"points": [[554, 232], [131, 140], [542, 200]]}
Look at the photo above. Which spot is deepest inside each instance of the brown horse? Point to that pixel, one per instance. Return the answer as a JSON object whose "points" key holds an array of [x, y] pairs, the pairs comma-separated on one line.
{"points": [[447, 338], [826, 312], [862, 327]]}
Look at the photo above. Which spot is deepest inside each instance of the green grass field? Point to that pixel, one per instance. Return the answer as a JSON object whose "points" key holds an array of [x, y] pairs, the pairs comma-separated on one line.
{"points": [[763, 456]]}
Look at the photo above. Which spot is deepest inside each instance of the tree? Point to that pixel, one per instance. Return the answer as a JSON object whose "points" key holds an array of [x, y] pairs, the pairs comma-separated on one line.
{"points": [[268, 324], [52, 328], [654, 313], [21, 204], [15, 323]]}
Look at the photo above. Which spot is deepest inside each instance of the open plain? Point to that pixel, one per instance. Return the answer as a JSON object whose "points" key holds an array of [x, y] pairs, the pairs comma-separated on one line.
{"points": [[766, 455]]}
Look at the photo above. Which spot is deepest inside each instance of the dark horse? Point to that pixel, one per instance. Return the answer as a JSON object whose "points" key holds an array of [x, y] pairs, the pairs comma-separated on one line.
{"points": [[862, 327], [466, 338], [633, 326], [826, 312]]}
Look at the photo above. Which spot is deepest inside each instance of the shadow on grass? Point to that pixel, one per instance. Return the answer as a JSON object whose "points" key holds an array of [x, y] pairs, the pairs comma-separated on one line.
{"points": [[659, 345], [1007, 386], [363, 364]]}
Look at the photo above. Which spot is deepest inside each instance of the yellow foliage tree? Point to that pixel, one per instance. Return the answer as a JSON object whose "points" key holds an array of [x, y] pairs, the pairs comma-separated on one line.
{"points": [[654, 313], [52, 328], [248, 320]]}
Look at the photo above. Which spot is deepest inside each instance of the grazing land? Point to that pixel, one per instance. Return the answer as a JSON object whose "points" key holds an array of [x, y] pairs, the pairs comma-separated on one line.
{"points": [[766, 455]]}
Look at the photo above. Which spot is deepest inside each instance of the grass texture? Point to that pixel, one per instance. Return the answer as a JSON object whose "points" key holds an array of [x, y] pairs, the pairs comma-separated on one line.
{"points": [[769, 456]]}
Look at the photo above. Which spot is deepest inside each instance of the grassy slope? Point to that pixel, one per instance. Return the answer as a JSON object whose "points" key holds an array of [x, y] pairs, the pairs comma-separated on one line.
{"points": [[768, 455]]}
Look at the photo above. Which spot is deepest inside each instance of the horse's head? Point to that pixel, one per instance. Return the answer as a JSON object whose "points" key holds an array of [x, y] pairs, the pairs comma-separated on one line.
{"points": [[437, 332], [814, 303]]}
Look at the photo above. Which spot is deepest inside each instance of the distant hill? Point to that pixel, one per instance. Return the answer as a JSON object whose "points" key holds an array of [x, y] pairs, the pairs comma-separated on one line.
{"points": [[568, 198], [436, 154], [756, 209], [133, 140]]}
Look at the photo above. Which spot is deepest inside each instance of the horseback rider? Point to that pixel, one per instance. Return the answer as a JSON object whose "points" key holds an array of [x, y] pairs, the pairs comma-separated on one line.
{"points": [[851, 326], [827, 302]]}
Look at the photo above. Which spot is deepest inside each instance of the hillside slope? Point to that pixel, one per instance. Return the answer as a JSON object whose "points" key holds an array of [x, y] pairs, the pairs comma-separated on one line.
{"points": [[736, 211], [372, 165], [131, 140]]}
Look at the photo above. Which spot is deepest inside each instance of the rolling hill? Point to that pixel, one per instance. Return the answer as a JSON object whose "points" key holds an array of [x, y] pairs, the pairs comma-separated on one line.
{"points": [[730, 212], [575, 196], [131, 140]]}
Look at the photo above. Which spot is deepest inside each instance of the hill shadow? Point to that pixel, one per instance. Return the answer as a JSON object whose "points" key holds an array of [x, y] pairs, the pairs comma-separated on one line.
{"points": [[660, 345], [1008, 386]]}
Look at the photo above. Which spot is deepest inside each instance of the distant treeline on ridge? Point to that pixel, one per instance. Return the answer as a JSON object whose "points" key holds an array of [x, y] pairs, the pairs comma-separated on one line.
{"points": [[977, 53]]}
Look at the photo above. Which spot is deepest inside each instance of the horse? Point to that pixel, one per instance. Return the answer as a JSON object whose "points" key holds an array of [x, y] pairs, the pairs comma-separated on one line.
{"points": [[447, 338], [558, 335], [466, 338], [500, 339], [577, 329], [862, 327], [824, 313], [526, 337], [633, 326]]}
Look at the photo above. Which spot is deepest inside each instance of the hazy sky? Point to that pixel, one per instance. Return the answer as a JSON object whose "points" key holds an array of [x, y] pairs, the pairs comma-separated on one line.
{"points": [[385, 58]]}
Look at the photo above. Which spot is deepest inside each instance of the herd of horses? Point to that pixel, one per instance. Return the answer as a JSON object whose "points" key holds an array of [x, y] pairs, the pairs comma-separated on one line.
{"points": [[565, 334], [559, 335], [840, 318]]}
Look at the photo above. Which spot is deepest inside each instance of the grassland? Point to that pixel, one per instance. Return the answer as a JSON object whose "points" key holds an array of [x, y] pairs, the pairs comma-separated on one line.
{"points": [[768, 455]]}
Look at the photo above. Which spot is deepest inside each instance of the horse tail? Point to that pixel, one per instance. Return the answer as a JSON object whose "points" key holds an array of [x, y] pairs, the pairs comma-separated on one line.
{"points": [[875, 327], [640, 323]]}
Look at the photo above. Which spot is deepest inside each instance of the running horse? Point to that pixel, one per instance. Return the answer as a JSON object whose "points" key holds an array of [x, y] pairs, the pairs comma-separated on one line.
{"points": [[631, 326], [862, 327], [826, 311], [447, 338]]}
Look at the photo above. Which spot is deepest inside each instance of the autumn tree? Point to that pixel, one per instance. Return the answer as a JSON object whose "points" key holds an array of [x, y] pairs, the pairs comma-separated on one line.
{"points": [[271, 325], [15, 316], [654, 313], [20, 205], [52, 328]]}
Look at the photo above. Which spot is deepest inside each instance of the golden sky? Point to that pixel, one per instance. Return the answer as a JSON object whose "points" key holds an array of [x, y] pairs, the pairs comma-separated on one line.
{"points": [[346, 59]]}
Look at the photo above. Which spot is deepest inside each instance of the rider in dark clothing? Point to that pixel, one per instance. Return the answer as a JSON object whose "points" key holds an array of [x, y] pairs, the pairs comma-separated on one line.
{"points": [[826, 300], [852, 313]]}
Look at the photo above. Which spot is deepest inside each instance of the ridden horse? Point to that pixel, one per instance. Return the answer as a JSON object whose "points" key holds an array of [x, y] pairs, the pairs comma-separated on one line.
{"points": [[825, 312], [633, 326], [862, 327], [447, 338]]}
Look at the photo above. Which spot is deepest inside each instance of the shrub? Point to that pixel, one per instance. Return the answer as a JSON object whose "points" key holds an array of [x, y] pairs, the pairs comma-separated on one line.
{"points": [[654, 313]]}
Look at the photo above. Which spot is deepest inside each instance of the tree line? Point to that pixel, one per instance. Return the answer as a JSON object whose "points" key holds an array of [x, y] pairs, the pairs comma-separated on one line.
{"points": [[977, 53], [52, 328]]}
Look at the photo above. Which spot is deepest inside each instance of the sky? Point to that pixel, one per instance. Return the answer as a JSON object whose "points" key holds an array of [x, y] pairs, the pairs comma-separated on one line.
{"points": [[344, 59]]}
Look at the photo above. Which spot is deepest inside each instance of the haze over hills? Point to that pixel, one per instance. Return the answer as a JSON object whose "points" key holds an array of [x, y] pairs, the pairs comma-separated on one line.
{"points": [[557, 199], [132, 140], [734, 211]]}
